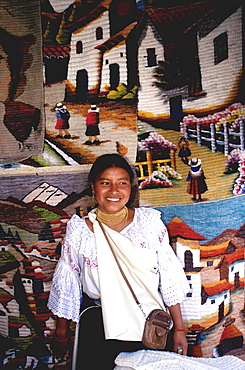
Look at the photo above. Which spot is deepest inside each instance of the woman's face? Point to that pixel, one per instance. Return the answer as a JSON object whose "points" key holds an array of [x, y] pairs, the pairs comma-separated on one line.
{"points": [[112, 189], [5, 76]]}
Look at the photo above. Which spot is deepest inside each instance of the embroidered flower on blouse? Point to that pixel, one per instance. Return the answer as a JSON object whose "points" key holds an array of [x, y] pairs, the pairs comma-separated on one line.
{"points": [[89, 263], [143, 245], [162, 235], [67, 251]]}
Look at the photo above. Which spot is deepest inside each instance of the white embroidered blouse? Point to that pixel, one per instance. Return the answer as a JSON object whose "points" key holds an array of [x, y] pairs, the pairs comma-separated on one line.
{"points": [[77, 268]]}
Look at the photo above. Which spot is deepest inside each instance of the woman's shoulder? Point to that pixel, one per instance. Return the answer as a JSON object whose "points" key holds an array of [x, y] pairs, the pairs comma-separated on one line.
{"points": [[78, 235], [145, 214], [75, 219], [77, 225]]}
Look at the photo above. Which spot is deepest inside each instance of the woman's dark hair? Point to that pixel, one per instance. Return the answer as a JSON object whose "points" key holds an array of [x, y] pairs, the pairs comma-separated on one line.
{"points": [[106, 161]]}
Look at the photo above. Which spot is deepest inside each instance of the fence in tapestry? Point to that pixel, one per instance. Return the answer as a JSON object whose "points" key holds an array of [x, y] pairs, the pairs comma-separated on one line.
{"points": [[221, 131]]}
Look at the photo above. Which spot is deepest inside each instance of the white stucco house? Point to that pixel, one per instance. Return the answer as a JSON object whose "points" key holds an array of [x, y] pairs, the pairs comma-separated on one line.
{"points": [[188, 252], [115, 60], [220, 51], [98, 61], [216, 300], [4, 313], [209, 298], [150, 52], [207, 42], [84, 68], [231, 267]]}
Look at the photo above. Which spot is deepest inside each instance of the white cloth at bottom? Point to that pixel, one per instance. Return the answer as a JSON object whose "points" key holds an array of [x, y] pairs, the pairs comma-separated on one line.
{"points": [[158, 360]]}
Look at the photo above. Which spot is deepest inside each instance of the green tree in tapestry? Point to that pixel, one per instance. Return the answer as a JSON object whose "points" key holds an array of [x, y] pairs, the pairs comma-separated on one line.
{"points": [[179, 72], [169, 76]]}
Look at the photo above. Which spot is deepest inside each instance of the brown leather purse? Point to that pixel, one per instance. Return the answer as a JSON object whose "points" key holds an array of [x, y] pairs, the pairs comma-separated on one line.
{"points": [[157, 323], [156, 329]]}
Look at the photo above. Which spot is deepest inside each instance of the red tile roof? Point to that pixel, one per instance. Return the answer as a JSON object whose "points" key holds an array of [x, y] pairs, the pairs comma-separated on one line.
{"points": [[230, 258], [177, 228], [217, 287], [116, 39], [56, 51], [179, 19], [110, 43], [231, 331], [214, 250]]}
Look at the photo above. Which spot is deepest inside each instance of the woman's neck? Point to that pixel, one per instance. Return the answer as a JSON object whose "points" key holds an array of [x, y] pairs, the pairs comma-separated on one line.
{"points": [[119, 227], [116, 219]]}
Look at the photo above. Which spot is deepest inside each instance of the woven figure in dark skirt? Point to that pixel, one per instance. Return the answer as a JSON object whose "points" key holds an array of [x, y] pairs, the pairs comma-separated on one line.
{"points": [[62, 121], [92, 126], [184, 150], [196, 180]]}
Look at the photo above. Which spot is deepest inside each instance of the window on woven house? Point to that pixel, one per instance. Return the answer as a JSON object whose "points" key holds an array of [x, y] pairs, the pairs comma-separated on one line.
{"points": [[220, 48], [189, 260], [151, 57], [99, 33], [79, 47]]}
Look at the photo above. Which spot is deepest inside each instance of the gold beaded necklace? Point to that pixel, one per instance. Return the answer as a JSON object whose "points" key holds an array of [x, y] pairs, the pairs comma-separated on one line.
{"points": [[114, 219]]}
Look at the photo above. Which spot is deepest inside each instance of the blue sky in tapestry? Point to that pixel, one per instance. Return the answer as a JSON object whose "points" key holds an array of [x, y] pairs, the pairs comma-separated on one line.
{"points": [[210, 218]]}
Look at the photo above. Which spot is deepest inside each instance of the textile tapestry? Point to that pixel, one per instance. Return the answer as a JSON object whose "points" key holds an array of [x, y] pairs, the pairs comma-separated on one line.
{"points": [[159, 82], [21, 103]]}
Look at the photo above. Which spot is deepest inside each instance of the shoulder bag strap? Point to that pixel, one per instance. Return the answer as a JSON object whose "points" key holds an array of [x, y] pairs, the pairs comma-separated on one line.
{"points": [[119, 266]]}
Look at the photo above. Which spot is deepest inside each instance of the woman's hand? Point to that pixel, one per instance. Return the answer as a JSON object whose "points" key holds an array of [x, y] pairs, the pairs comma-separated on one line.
{"points": [[180, 341], [60, 346], [179, 337], [61, 342]]}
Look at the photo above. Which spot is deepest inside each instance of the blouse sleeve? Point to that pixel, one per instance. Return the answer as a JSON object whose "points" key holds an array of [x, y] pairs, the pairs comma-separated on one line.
{"points": [[66, 294], [173, 283]]}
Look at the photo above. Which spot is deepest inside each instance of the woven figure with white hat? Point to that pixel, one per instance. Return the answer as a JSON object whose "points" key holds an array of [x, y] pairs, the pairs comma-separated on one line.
{"points": [[196, 180]]}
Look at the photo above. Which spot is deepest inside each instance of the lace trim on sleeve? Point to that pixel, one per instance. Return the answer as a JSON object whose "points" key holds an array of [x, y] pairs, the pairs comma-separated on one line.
{"points": [[65, 295]]}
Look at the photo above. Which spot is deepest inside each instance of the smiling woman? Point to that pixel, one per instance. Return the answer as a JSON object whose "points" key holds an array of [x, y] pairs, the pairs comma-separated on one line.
{"points": [[112, 188], [87, 272]]}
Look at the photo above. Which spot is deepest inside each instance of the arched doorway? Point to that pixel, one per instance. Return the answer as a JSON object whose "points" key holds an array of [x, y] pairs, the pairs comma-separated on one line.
{"points": [[176, 112], [114, 75], [82, 86], [221, 311]]}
